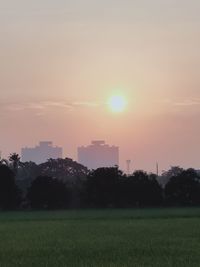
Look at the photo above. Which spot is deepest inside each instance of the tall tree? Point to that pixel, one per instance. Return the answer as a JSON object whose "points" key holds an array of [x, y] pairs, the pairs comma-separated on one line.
{"points": [[14, 158], [142, 189], [183, 189], [102, 187], [9, 193], [63, 169], [47, 193], [167, 175]]}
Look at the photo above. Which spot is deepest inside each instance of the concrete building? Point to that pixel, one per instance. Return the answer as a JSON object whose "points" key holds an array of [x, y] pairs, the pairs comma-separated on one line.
{"points": [[41, 153], [98, 154]]}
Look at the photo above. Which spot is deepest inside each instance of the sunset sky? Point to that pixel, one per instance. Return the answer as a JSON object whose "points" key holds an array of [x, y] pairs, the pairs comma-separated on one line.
{"points": [[61, 61]]}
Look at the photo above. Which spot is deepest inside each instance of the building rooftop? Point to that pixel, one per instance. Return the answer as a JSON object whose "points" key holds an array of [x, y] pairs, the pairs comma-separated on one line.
{"points": [[98, 142]]}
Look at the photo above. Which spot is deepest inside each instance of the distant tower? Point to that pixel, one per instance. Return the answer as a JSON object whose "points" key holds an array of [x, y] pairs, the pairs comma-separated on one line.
{"points": [[128, 163]]}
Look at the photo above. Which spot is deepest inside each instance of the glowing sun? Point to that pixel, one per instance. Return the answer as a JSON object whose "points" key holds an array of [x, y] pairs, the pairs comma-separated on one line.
{"points": [[117, 103]]}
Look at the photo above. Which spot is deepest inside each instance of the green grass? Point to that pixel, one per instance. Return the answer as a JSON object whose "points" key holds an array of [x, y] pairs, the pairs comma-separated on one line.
{"points": [[104, 238]]}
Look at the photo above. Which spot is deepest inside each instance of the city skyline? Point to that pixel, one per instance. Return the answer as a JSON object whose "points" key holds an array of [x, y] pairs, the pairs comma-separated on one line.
{"points": [[40, 153], [100, 154], [64, 65]]}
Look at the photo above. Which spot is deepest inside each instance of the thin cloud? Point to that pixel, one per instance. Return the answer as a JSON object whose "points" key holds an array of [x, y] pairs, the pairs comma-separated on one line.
{"points": [[86, 104], [57, 104], [186, 102], [21, 106], [44, 105]]}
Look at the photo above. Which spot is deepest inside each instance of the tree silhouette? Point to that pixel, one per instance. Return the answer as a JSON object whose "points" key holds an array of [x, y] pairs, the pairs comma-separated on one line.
{"points": [[167, 175], [62, 183], [14, 158], [9, 193], [70, 172], [102, 187], [183, 189], [141, 189], [63, 169], [47, 193]]}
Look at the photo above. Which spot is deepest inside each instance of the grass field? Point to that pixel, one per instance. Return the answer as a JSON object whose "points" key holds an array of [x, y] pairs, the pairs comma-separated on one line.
{"points": [[106, 238]]}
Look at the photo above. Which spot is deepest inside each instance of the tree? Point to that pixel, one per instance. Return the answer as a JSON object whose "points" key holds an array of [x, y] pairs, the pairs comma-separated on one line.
{"points": [[102, 187], [47, 193], [183, 189], [167, 175], [70, 172], [9, 193], [15, 160], [142, 189], [63, 169]]}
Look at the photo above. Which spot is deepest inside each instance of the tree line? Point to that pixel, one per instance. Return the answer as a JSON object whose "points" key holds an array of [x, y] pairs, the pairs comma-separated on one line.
{"points": [[63, 183]]}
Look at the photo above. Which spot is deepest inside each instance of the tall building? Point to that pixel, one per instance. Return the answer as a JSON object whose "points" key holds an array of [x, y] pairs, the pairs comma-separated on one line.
{"points": [[41, 153], [98, 154]]}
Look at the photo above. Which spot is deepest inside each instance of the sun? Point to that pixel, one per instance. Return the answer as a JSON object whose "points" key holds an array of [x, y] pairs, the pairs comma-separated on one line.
{"points": [[117, 103]]}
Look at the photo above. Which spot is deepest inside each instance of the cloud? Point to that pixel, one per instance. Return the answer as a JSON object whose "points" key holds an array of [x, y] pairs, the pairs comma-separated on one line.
{"points": [[9, 106], [186, 102], [56, 104], [86, 104], [41, 106]]}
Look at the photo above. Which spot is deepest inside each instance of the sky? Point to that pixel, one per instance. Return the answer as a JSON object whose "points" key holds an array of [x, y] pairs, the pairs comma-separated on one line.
{"points": [[60, 62]]}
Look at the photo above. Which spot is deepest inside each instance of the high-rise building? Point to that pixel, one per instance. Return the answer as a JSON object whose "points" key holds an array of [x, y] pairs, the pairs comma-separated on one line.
{"points": [[41, 153], [98, 154]]}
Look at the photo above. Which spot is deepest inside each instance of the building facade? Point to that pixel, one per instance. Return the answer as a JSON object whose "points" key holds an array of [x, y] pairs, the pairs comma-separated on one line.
{"points": [[98, 155], [41, 153]]}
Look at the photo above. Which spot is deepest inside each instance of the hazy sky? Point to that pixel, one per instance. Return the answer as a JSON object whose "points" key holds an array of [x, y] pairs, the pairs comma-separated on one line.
{"points": [[61, 60]]}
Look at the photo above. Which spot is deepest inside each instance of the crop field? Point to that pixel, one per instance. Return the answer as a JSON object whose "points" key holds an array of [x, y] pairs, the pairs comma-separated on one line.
{"points": [[102, 238]]}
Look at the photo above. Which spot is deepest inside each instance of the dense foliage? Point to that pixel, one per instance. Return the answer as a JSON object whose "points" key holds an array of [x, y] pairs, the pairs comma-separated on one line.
{"points": [[9, 193], [47, 193], [63, 183]]}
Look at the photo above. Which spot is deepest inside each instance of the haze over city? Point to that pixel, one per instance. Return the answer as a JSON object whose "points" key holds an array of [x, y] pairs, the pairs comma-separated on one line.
{"points": [[122, 71]]}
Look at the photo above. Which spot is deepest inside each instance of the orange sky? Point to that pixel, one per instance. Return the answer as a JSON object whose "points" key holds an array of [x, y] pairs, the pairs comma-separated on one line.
{"points": [[62, 60]]}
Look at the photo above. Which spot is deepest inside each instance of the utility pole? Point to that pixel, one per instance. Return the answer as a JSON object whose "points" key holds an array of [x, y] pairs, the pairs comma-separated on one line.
{"points": [[128, 163], [157, 169]]}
